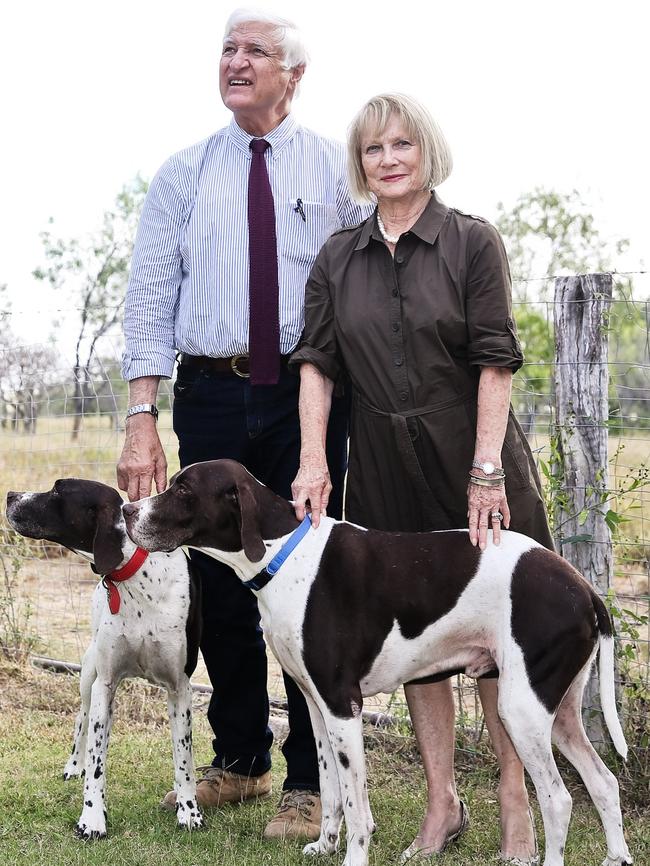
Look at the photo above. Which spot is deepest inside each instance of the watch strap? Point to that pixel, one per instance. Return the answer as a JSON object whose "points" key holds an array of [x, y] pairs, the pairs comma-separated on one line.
{"points": [[489, 468]]}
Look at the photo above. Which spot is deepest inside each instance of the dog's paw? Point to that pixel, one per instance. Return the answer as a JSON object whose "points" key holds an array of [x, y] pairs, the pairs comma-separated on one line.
{"points": [[87, 834], [92, 821], [188, 816], [72, 770], [318, 847]]}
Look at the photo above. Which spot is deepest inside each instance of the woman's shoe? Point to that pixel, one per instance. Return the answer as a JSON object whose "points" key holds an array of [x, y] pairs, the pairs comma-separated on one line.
{"points": [[526, 861], [413, 851]]}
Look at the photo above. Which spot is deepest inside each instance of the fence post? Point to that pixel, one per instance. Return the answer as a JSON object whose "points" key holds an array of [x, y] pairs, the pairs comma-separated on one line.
{"points": [[582, 535]]}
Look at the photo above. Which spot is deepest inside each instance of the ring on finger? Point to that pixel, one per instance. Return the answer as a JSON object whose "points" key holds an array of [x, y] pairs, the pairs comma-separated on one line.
{"points": [[496, 515]]}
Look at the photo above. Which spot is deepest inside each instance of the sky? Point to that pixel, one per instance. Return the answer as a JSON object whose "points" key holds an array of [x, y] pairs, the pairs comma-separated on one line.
{"points": [[529, 94]]}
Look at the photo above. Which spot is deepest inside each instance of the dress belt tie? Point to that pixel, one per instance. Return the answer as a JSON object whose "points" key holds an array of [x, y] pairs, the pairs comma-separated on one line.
{"points": [[430, 508]]}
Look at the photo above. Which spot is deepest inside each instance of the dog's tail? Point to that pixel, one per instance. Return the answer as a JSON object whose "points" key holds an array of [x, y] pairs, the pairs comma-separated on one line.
{"points": [[606, 676]]}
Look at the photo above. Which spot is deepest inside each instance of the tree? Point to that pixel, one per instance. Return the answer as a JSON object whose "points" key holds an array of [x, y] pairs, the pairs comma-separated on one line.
{"points": [[26, 374], [532, 385], [548, 234], [94, 270]]}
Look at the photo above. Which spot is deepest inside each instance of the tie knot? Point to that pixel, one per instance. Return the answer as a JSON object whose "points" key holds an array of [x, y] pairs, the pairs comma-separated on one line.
{"points": [[259, 145]]}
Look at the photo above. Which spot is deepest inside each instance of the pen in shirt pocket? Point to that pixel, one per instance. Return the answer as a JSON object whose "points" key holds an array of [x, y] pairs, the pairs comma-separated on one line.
{"points": [[299, 209]]}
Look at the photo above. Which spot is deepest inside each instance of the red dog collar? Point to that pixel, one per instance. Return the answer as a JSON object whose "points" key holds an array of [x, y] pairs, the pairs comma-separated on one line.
{"points": [[121, 574]]}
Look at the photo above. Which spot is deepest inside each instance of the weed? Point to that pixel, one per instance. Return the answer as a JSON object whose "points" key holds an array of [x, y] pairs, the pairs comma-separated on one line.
{"points": [[17, 638]]}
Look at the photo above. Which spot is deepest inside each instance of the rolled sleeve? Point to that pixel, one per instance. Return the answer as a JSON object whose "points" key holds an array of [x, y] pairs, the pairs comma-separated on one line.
{"points": [[323, 363], [319, 345], [154, 281], [492, 334]]}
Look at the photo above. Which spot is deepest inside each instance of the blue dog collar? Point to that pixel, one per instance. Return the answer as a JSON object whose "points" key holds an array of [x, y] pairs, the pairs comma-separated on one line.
{"points": [[263, 577]]}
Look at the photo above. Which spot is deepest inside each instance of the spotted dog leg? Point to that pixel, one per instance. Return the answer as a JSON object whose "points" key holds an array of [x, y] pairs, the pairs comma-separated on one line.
{"points": [[179, 704], [529, 726], [92, 822], [571, 739], [330, 789], [346, 744], [76, 762]]}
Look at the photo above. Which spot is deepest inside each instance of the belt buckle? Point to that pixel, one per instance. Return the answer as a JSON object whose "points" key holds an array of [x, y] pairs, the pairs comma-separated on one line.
{"points": [[233, 366]]}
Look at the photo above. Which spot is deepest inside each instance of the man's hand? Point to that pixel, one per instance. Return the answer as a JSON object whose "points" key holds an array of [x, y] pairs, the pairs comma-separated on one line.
{"points": [[142, 460], [312, 484]]}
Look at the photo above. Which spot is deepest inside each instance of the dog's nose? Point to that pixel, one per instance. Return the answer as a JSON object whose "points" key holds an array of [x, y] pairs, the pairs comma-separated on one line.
{"points": [[12, 496], [128, 508]]}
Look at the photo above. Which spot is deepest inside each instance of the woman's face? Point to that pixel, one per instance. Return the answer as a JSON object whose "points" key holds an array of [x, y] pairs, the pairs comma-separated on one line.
{"points": [[391, 162]]}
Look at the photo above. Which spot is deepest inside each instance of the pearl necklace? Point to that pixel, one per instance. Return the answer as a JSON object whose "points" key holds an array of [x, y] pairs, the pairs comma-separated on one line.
{"points": [[390, 239]]}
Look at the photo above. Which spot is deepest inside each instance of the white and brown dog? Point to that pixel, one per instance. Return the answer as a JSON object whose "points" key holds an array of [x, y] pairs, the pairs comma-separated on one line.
{"points": [[147, 627], [353, 612]]}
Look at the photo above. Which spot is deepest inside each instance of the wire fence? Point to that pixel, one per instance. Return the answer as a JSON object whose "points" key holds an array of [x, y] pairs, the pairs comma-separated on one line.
{"points": [[58, 419]]}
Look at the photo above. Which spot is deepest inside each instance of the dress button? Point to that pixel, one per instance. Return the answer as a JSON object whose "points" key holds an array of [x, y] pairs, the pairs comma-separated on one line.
{"points": [[395, 293], [398, 362], [399, 260], [403, 395], [395, 326]]}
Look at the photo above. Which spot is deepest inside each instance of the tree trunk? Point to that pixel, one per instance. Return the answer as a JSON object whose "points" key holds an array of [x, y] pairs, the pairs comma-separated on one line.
{"points": [[78, 400]]}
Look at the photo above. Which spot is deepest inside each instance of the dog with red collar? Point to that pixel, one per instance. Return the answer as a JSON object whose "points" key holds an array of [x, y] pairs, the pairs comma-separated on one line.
{"points": [[145, 622], [351, 612]]}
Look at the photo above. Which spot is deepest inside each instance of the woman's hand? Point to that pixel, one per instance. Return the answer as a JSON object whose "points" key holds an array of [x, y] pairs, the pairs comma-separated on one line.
{"points": [[312, 485], [482, 503]]}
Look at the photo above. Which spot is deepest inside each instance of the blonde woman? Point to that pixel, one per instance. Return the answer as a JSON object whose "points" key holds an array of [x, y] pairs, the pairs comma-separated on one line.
{"points": [[413, 307]]}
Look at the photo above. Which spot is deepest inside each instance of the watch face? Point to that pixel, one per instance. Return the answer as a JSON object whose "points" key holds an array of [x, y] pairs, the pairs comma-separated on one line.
{"points": [[488, 467]]}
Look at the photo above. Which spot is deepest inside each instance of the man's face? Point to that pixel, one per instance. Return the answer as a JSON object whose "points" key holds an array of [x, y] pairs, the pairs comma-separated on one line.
{"points": [[252, 79]]}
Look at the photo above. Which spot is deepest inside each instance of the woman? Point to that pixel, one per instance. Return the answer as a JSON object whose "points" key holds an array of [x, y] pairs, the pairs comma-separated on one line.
{"points": [[414, 308]]}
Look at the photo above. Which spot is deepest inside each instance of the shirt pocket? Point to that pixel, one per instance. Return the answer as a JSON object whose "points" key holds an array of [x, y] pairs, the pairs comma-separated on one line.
{"points": [[306, 225]]}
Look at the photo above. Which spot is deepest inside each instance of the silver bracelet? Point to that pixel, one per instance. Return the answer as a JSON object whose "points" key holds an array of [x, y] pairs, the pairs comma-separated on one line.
{"points": [[486, 482]]}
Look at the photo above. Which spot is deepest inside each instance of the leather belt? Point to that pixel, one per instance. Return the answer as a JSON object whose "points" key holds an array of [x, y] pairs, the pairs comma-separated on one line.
{"points": [[237, 364]]}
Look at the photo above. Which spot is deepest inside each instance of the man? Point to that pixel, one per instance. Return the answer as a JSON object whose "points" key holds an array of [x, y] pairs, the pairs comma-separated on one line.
{"points": [[228, 235]]}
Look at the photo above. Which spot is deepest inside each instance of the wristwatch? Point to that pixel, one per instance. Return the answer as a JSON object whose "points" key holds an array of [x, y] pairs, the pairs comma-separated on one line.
{"points": [[150, 408], [487, 467]]}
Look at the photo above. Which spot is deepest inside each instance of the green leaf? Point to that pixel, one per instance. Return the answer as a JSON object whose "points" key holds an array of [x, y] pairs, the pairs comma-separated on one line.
{"points": [[576, 539]]}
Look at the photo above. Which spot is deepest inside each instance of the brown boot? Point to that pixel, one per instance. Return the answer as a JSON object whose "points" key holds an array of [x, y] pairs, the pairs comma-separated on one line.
{"points": [[298, 817], [220, 786]]}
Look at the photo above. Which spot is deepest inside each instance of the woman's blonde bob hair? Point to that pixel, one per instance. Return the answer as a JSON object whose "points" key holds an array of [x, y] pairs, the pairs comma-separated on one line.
{"points": [[372, 120]]}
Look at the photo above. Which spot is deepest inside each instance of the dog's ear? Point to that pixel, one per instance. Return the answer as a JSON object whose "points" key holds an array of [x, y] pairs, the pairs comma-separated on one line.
{"points": [[251, 536], [107, 543]]}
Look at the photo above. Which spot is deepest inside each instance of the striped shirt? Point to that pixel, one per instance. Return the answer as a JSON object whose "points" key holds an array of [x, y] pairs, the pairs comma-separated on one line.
{"points": [[188, 287]]}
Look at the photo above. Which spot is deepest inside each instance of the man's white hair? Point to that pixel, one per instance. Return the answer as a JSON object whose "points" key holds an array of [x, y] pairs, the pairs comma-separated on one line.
{"points": [[287, 34]]}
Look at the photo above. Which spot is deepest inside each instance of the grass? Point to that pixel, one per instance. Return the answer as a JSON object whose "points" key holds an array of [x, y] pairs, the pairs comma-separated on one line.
{"points": [[38, 809]]}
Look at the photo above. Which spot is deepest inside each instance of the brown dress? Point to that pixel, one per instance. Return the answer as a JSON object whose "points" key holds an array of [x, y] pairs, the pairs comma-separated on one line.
{"points": [[411, 334]]}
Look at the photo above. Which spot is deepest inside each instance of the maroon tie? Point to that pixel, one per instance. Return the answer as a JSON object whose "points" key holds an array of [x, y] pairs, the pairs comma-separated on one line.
{"points": [[264, 325]]}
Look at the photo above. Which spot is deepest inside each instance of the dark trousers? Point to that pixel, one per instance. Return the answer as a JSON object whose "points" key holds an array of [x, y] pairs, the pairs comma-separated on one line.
{"points": [[219, 415]]}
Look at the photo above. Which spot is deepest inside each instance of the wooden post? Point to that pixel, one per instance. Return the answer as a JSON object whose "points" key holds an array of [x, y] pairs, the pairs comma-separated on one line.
{"points": [[581, 383]]}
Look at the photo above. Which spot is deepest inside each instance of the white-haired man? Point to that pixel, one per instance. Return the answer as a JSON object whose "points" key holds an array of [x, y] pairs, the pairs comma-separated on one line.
{"points": [[228, 235]]}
